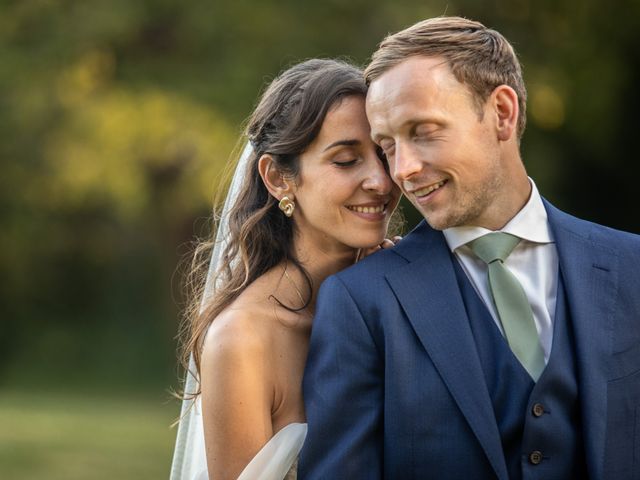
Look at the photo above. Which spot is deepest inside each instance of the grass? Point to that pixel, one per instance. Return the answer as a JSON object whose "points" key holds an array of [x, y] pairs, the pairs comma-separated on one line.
{"points": [[67, 436]]}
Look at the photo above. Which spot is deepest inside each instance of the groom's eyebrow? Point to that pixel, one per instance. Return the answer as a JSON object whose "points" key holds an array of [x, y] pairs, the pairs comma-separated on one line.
{"points": [[343, 143]]}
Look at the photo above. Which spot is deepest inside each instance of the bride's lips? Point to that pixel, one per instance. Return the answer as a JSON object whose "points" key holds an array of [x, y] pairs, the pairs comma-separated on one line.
{"points": [[372, 211]]}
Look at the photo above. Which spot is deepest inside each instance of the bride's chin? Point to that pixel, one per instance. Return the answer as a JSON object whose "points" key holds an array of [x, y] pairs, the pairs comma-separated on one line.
{"points": [[370, 244]]}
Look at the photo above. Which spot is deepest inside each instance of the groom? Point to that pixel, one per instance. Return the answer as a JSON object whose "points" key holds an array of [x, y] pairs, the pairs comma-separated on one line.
{"points": [[501, 338]]}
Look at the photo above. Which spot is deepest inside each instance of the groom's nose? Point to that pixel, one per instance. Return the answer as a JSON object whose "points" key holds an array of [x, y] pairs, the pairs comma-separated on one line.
{"points": [[406, 162]]}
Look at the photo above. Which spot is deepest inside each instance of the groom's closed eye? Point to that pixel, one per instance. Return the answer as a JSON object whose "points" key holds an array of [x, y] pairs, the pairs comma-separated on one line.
{"points": [[383, 158]]}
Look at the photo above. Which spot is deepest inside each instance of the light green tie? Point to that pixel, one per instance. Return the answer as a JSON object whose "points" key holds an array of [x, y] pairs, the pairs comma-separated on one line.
{"points": [[510, 301]]}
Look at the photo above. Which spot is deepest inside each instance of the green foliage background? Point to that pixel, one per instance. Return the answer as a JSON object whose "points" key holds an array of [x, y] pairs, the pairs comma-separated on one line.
{"points": [[117, 118]]}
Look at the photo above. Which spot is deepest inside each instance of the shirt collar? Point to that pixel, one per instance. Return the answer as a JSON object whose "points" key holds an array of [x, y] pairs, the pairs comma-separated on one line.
{"points": [[530, 223]]}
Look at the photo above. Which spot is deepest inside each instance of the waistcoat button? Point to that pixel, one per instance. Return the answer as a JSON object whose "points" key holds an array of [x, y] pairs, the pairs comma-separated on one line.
{"points": [[538, 409], [535, 457]]}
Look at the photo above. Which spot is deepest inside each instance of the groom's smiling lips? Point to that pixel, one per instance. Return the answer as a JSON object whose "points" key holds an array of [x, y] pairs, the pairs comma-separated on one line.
{"points": [[424, 192]]}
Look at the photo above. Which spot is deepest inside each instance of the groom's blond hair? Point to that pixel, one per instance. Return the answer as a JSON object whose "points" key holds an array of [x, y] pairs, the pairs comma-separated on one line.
{"points": [[479, 57]]}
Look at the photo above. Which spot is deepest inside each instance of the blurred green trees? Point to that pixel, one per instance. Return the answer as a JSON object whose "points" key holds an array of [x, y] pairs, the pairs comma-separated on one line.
{"points": [[116, 119]]}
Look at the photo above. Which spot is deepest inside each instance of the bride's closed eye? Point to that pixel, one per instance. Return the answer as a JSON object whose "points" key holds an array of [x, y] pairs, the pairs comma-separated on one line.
{"points": [[345, 163]]}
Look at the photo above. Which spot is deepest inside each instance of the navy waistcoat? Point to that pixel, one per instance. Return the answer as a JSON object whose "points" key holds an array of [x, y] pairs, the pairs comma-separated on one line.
{"points": [[539, 423]]}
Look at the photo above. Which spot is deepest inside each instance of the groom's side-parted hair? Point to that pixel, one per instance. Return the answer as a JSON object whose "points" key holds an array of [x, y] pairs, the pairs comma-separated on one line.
{"points": [[479, 57]]}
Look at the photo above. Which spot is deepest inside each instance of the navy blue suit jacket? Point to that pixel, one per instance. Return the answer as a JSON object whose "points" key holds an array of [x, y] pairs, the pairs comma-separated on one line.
{"points": [[393, 386]]}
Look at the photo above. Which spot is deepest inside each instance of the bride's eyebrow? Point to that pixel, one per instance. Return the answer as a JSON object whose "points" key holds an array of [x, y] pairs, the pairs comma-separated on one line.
{"points": [[342, 143]]}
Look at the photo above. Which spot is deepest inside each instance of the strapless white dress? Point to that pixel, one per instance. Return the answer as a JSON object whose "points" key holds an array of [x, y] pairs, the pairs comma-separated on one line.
{"points": [[277, 460]]}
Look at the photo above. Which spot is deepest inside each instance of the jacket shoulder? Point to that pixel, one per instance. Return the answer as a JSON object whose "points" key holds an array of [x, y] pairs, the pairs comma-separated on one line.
{"points": [[617, 241]]}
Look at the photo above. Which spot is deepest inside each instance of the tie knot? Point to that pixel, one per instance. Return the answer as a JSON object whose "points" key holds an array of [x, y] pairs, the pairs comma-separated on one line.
{"points": [[494, 246]]}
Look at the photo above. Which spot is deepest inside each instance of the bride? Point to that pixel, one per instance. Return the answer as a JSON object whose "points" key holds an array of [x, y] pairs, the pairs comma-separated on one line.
{"points": [[314, 193]]}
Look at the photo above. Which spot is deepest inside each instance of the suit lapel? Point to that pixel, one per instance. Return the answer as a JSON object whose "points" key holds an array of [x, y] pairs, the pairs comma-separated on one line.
{"points": [[429, 294], [591, 281]]}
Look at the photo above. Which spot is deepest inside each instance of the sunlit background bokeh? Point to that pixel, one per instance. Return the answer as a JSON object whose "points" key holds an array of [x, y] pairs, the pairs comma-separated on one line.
{"points": [[116, 120]]}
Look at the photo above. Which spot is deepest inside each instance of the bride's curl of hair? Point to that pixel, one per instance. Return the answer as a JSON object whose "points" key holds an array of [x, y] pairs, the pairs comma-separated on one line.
{"points": [[285, 122]]}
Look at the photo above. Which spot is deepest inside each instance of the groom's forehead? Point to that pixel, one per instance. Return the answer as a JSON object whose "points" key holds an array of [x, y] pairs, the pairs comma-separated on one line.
{"points": [[413, 89]]}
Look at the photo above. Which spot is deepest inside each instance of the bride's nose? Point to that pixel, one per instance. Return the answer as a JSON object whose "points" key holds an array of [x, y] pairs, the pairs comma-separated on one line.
{"points": [[377, 179]]}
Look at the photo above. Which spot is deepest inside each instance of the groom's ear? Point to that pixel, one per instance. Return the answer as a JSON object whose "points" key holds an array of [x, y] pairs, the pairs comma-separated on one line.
{"points": [[276, 182], [504, 101]]}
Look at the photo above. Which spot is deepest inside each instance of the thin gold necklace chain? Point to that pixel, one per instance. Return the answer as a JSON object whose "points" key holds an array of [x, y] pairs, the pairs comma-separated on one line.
{"points": [[302, 302]]}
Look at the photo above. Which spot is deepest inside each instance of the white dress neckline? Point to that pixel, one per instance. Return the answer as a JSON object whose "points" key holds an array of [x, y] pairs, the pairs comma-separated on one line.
{"points": [[276, 458]]}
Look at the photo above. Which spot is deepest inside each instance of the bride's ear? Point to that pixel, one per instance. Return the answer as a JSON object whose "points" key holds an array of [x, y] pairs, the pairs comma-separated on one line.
{"points": [[276, 182]]}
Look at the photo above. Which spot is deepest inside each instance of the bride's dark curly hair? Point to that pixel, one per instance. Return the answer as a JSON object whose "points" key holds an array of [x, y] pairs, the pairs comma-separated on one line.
{"points": [[285, 122]]}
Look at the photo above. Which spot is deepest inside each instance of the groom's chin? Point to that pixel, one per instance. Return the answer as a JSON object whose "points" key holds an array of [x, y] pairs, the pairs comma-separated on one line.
{"points": [[436, 223]]}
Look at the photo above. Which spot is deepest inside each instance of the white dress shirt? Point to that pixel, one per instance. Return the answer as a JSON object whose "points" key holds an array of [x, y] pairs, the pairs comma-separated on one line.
{"points": [[534, 262]]}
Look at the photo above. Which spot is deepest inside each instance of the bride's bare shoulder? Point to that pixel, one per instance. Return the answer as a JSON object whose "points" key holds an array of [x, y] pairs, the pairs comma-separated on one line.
{"points": [[252, 327], [239, 331]]}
